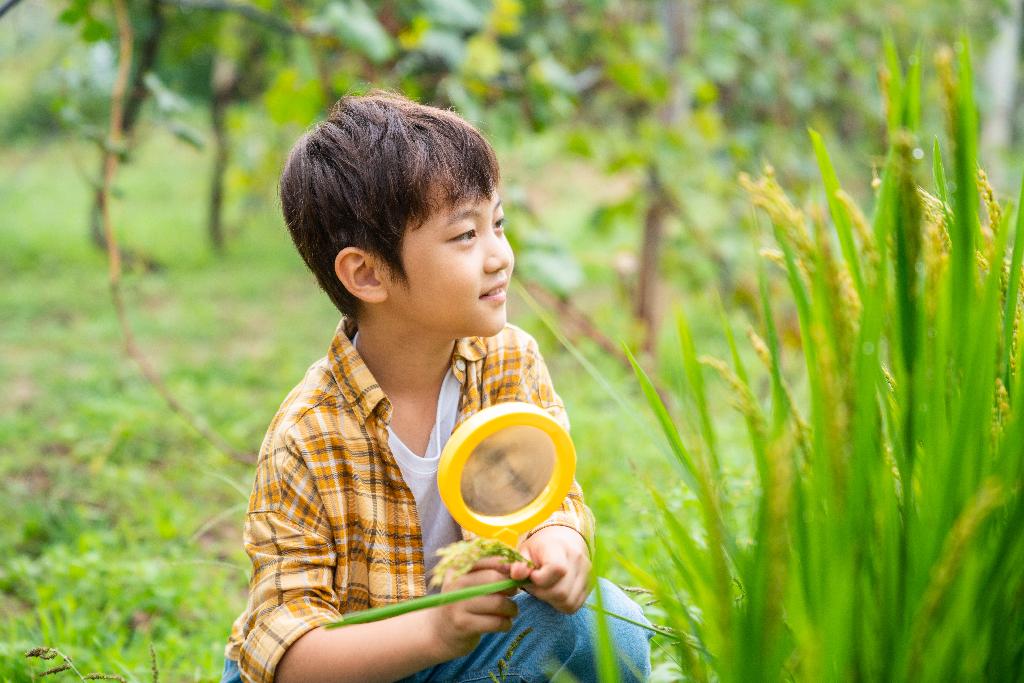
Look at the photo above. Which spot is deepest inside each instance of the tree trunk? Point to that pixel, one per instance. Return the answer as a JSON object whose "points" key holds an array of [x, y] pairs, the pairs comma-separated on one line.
{"points": [[676, 18], [225, 81], [645, 305], [1000, 74], [137, 93], [230, 76], [96, 236]]}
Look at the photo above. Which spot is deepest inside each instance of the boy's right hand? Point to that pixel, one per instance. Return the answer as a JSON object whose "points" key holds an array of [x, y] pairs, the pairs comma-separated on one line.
{"points": [[457, 627]]}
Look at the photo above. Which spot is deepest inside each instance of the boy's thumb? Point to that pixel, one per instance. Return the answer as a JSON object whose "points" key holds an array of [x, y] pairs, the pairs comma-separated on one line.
{"points": [[521, 570]]}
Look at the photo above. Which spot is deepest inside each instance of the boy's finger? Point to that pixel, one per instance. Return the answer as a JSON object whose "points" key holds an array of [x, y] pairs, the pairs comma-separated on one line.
{"points": [[474, 578], [510, 592], [548, 575], [496, 604], [519, 570], [483, 576], [496, 563]]}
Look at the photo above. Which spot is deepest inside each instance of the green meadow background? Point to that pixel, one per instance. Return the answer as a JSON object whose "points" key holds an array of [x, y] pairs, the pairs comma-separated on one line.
{"points": [[622, 127]]}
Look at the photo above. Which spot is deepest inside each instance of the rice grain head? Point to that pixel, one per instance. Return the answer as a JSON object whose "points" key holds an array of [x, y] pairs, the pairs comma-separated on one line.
{"points": [[742, 398], [760, 347], [767, 194], [1002, 410], [775, 256], [947, 83], [988, 197], [862, 228], [1018, 321], [981, 260], [935, 247], [801, 426], [885, 85], [460, 557], [842, 292]]}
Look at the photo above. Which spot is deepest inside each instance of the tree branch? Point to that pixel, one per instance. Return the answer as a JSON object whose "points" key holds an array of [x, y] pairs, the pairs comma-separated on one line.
{"points": [[110, 164], [576, 323], [580, 322], [251, 13], [7, 6]]}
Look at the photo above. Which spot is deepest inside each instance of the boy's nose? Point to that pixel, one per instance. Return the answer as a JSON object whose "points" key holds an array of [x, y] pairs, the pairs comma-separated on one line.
{"points": [[500, 258]]}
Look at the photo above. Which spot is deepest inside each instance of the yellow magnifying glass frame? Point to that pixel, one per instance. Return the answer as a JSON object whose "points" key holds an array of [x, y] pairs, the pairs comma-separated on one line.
{"points": [[463, 442]]}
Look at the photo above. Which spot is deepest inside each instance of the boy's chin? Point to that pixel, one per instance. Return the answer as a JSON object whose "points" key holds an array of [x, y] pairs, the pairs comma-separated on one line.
{"points": [[489, 328]]}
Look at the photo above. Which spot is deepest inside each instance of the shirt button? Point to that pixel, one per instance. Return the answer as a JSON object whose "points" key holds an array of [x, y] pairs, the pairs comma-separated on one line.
{"points": [[460, 364]]}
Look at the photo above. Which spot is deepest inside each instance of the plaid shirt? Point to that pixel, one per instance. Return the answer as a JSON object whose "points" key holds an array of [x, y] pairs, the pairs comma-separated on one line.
{"points": [[332, 526]]}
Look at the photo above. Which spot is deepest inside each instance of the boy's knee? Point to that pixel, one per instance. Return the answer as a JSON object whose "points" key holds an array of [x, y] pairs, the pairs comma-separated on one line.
{"points": [[615, 600], [631, 642]]}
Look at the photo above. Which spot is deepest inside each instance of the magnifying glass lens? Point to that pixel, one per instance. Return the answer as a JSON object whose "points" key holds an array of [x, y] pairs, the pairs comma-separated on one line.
{"points": [[508, 470]]}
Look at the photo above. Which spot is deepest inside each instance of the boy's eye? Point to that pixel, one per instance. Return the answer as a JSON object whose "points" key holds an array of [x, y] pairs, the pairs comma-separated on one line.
{"points": [[466, 236], [500, 225]]}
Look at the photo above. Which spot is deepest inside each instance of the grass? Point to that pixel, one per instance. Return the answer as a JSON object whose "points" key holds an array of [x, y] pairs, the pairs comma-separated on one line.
{"points": [[125, 527]]}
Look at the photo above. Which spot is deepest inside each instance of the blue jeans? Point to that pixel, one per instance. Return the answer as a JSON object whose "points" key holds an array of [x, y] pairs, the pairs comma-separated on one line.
{"points": [[559, 644]]}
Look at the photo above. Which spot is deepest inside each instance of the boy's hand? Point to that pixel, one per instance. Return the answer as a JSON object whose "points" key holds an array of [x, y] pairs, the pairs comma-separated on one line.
{"points": [[457, 627], [562, 574]]}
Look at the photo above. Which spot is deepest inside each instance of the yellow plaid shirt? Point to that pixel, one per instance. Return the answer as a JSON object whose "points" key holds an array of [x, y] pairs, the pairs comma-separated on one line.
{"points": [[332, 526]]}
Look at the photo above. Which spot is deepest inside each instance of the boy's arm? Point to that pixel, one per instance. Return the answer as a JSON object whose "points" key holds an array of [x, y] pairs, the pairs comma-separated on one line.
{"points": [[290, 545], [385, 650], [540, 391], [292, 592], [394, 648], [286, 640]]}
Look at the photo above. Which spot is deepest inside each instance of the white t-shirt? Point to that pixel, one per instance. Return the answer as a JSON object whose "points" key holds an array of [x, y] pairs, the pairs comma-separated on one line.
{"points": [[420, 474]]}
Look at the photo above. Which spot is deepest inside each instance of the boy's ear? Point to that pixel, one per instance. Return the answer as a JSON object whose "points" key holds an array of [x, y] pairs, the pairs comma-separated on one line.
{"points": [[361, 274]]}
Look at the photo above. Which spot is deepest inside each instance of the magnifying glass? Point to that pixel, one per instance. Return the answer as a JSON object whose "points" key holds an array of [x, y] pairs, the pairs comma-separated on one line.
{"points": [[503, 471]]}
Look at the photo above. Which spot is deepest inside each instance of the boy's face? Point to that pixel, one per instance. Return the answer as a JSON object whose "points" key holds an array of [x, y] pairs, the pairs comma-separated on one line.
{"points": [[458, 265]]}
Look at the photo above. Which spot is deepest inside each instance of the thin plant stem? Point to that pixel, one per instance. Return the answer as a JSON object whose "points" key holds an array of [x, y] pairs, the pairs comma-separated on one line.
{"points": [[438, 599], [425, 602], [111, 157], [660, 630]]}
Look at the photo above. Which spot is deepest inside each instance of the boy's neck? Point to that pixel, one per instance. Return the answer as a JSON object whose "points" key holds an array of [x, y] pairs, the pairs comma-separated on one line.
{"points": [[404, 361]]}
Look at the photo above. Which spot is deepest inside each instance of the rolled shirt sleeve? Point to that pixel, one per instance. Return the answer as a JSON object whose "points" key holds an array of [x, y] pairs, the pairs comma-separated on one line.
{"points": [[293, 564], [574, 514]]}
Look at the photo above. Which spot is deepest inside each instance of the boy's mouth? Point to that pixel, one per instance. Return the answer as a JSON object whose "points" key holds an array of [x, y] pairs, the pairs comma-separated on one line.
{"points": [[495, 294]]}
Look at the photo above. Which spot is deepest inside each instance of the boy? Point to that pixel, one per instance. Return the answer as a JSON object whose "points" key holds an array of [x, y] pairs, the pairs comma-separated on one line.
{"points": [[393, 206]]}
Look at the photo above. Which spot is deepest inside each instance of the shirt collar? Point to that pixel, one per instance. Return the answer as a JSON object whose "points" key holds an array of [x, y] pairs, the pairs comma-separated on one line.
{"points": [[359, 390], [356, 383], [470, 349]]}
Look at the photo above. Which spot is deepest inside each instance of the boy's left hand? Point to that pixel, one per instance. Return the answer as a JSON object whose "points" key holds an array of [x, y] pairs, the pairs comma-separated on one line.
{"points": [[561, 577]]}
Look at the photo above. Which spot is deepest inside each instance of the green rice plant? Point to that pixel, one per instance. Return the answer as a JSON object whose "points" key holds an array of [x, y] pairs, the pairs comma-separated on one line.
{"points": [[887, 535]]}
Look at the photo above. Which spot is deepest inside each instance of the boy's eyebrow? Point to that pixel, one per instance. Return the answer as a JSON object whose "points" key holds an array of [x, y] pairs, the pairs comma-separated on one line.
{"points": [[469, 213]]}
